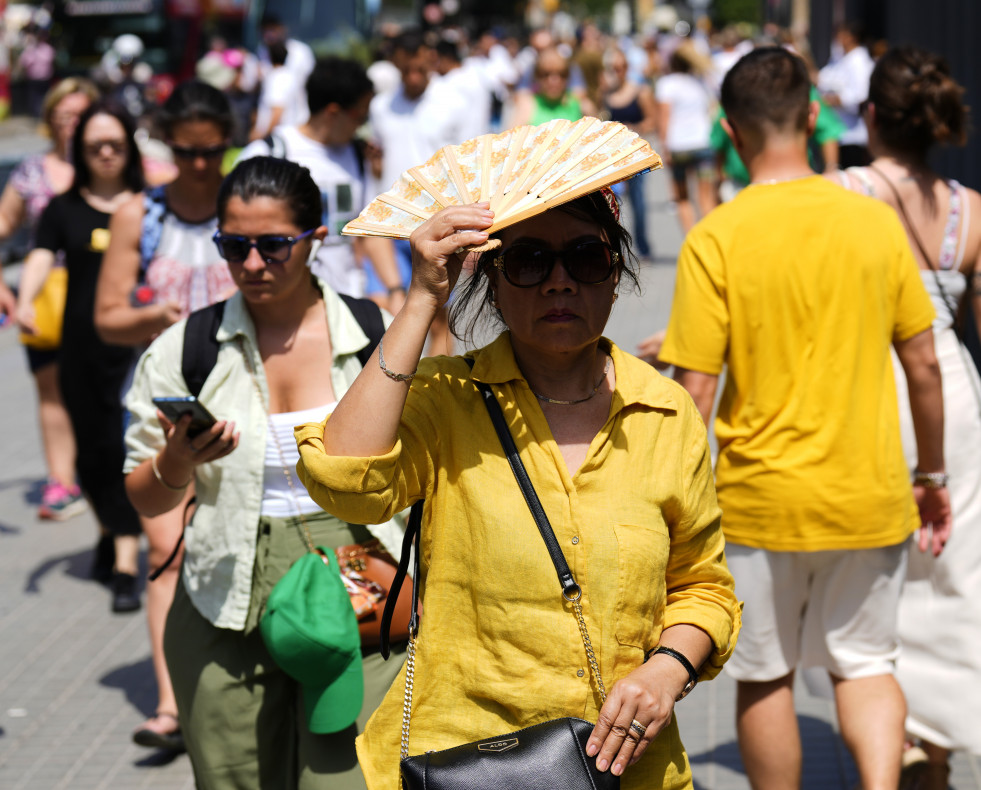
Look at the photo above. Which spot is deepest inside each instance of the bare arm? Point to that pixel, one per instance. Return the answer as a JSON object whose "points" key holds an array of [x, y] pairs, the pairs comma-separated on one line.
{"points": [[37, 266], [380, 252], [116, 320], [919, 361], [701, 387], [152, 495], [12, 211], [663, 116], [829, 151], [524, 105], [649, 122], [436, 267]]}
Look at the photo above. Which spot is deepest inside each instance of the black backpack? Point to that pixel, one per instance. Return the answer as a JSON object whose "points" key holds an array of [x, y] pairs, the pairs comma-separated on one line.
{"points": [[200, 351]]}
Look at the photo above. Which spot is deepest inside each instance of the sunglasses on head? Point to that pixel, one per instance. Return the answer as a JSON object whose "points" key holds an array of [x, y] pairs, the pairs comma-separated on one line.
{"points": [[527, 265], [272, 247], [194, 151]]}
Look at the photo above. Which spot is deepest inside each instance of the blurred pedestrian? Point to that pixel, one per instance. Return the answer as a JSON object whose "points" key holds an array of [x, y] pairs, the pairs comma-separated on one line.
{"points": [[286, 352], [914, 103], [632, 104], [299, 57], [339, 93], [108, 172], [684, 107], [160, 266], [281, 97], [844, 84], [36, 62], [811, 475], [551, 98], [32, 185], [410, 125]]}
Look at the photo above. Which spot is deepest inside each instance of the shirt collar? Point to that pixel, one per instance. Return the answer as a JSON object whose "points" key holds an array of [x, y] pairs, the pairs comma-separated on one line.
{"points": [[637, 382]]}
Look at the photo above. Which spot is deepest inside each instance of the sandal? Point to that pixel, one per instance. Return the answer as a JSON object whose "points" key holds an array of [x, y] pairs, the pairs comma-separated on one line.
{"points": [[155, 737]]}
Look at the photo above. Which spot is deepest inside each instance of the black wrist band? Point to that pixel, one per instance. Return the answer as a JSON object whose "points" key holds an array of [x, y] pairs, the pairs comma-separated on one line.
{"points": [[692, 674]]}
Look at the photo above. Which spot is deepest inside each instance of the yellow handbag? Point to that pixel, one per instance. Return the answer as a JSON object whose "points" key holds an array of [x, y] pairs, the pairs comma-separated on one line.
{"points": [[49, 312]]}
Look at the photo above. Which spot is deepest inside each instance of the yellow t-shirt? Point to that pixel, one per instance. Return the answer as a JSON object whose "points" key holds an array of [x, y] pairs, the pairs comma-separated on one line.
{"points": [[498, 649], [800, 288]]}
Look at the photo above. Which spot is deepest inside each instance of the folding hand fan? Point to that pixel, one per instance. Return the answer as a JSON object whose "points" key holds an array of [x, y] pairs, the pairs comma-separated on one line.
{"points": [[521, 172]]}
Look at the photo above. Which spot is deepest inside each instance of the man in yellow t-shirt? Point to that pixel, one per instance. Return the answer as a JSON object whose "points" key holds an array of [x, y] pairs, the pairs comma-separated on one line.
{"points": [[800, 288]]}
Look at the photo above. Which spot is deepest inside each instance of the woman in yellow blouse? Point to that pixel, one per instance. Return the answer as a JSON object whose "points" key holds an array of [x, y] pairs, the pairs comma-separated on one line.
{"points": [[618, 456]]}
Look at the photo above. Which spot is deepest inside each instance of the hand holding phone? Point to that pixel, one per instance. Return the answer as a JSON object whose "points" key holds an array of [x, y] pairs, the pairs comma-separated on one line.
{"points": [[193, 434]]}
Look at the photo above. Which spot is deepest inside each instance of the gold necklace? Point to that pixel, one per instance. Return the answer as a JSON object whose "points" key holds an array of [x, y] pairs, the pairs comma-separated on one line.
{"points": [[556, 402]]}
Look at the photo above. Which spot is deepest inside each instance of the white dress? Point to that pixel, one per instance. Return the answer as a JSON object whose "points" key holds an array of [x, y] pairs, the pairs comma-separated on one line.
{"points": [[939, 667]]}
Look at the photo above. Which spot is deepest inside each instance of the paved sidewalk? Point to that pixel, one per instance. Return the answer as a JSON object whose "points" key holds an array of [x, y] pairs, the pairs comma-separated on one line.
{"points": [[75, 679]]}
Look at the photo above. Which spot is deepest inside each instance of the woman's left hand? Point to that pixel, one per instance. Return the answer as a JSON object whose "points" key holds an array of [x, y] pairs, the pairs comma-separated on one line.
{"points": [[645, 696]]}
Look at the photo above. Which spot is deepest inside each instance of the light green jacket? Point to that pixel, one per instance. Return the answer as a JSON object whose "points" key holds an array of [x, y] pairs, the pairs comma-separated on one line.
{"points": [[220, 542]]}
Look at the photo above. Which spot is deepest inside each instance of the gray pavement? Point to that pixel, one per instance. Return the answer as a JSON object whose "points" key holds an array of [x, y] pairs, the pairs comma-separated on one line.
{"points": [[76, 679]]}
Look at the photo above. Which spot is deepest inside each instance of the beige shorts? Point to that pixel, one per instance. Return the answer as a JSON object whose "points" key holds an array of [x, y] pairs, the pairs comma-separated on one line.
{"points": [[830, 609]]}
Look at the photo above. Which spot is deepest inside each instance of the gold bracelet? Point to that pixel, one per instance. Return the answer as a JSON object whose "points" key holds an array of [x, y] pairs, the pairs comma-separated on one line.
{"points": [[164, 483], [406, 377]]}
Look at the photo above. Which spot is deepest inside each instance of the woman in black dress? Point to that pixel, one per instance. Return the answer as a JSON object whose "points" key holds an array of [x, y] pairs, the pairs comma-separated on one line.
{"points": [[108, 172]]}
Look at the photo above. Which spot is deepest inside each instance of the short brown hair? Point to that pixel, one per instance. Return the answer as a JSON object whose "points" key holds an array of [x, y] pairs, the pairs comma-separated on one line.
{"points": [[767, 88]]}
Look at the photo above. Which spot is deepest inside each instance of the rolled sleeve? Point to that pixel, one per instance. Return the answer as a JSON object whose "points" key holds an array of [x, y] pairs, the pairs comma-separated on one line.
{"points": [[700, 588]]}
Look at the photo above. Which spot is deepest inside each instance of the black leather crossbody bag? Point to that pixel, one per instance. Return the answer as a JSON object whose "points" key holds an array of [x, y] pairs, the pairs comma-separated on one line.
{"points": [[545, 756]]}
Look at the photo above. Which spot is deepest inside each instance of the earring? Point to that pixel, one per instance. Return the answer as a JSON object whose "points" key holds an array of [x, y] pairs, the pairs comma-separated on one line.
{"points": [[615, 297]]}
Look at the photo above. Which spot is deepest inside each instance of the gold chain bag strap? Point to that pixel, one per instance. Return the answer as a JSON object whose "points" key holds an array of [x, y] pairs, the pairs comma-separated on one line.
{"points": [[541, 757]]}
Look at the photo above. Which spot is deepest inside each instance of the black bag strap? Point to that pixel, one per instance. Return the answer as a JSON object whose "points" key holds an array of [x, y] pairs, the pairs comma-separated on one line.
{"points": [[570, 589], [369, 318], [200, 352]]}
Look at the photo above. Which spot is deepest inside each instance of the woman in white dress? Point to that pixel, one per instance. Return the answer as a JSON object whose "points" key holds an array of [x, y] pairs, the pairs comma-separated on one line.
{"points": [[913, 104]]}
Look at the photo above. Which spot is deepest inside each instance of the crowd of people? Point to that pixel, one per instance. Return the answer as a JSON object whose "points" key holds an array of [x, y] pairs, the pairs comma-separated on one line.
{"points": [[186, 269]]}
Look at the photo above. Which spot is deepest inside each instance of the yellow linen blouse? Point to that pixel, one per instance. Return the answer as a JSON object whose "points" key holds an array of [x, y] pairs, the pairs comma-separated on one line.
{"points": [[499, 649]]}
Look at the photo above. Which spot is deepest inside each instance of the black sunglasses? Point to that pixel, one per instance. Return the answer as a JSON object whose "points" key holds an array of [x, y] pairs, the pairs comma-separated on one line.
{"points": [[272, 247], [528, 265], [194, 151]]}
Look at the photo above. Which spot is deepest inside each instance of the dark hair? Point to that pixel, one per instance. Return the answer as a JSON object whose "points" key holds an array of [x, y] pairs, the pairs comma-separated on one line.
{"points": [[410, 42], [679, 64], [337, 80], [280, 179], [768, 87], [277, 53], [448, 49], [917, 102], [196, 101], [133, 171], [473, 305]]}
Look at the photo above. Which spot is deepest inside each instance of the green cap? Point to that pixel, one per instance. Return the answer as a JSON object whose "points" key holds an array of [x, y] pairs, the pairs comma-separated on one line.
{"points": [[311, 631]]}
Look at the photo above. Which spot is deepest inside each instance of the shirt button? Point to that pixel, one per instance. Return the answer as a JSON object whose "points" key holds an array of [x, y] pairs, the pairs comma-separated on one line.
{"points": [[575, 540], [580, 673]]}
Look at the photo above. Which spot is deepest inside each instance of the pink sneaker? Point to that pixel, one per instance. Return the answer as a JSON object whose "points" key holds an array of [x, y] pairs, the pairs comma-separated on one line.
{"points": [[59, 503]]}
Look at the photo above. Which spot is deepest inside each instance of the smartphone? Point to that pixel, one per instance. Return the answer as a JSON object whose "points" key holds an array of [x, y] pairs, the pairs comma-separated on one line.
{"points": [[175, 408]]}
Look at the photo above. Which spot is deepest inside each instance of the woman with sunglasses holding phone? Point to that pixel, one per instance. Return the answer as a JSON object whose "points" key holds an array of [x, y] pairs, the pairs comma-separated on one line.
{"points": [[108, 172], [619, 458], [144, 288], [287, 352]]}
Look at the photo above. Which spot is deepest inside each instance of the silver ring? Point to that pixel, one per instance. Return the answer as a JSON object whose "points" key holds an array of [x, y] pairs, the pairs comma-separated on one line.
{"points": [[639, 728]]}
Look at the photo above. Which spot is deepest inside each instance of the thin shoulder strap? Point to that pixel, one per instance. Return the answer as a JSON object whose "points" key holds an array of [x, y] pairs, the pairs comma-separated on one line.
{"points": [[909, 223], [965, 200]]}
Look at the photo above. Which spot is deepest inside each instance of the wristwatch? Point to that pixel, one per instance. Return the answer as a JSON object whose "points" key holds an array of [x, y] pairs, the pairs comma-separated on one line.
{"points": [[930, 479]]}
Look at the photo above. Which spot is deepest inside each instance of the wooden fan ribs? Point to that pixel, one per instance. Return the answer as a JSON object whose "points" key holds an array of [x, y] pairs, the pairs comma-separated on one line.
{"points": [[520, 172]]}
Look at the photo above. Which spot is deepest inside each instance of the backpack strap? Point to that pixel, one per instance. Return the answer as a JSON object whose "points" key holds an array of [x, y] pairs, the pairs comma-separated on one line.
{"points": [[200, 352], [360, 147], [369, 318], [151, 229]]}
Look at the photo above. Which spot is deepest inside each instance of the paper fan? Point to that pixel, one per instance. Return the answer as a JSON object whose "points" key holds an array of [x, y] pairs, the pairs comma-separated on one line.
{"points": [[521, 172]]}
